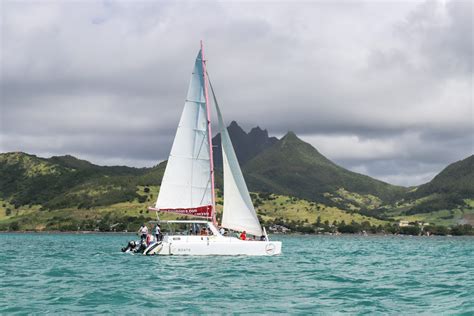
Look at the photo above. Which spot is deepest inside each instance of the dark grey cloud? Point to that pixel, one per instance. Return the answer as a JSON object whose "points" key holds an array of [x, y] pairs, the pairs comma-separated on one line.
{"points": [[380, 87]]}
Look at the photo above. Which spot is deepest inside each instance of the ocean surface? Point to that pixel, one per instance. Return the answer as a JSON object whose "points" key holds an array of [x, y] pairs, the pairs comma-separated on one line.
{"points": [[87, 273]]}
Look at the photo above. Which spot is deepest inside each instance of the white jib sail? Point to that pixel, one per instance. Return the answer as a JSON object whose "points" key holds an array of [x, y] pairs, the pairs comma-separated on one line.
{"points": [[239, 213], [187, 179]]}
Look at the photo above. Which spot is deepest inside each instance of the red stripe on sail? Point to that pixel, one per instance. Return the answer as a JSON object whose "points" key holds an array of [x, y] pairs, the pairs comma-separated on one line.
{"points": [[201, 211]]}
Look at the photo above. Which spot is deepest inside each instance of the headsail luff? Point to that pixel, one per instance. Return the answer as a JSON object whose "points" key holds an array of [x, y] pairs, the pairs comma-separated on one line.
{"points": [[186, 185], [239, 213]]}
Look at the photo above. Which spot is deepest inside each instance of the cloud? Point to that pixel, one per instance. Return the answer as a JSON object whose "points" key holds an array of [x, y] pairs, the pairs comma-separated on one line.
{"points": [[382, 87]]}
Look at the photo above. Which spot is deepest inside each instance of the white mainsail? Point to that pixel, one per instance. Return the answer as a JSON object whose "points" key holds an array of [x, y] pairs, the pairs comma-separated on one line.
{"points": [[239, 213], [186, 182]]}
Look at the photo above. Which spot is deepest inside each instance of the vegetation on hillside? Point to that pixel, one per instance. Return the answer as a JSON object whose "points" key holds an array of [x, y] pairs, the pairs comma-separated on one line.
{"points": [[62, 182], [297, 215], [293, 184], [448, 190]]}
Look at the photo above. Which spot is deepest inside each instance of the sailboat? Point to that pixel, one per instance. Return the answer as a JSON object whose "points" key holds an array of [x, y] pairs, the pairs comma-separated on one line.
{"points": [[188, 186]]}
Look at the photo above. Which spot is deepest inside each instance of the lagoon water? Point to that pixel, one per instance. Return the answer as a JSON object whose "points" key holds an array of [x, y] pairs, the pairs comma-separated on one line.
{"points": [[87, 273]]}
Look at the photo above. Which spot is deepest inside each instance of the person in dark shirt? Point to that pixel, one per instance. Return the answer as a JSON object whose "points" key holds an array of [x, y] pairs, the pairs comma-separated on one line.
{"points": [[158, 234]]}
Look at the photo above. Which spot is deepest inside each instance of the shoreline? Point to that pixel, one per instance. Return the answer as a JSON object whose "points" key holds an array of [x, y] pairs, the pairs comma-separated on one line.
{"points": [[81, 232], [87, 232]]}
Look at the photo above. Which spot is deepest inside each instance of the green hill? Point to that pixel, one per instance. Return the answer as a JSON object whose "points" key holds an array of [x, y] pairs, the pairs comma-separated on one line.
{"points": [[296, 168], [66, 193], [457, 178], [451, 189], [448, 199], [65, 181]]}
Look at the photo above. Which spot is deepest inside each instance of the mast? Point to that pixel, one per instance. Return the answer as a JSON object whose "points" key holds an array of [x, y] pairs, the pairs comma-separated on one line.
{"points": [[209, 131]]}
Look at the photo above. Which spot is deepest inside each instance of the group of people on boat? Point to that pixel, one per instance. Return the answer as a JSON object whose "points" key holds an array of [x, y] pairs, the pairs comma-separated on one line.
{"points": [[146, 239], [202, 231], [243, 236], [145, 236]]}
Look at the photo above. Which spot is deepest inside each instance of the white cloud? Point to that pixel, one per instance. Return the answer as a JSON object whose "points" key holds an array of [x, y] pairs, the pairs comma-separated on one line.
{"points": [[339, 147]]}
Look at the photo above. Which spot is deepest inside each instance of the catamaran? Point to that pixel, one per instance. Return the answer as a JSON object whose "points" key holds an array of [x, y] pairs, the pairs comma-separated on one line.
{"points": [[188, 186]]}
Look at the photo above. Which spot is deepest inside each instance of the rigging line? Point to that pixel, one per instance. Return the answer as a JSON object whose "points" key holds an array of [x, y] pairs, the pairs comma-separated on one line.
{"points": [[200, 148], [196, 124], [212, 87], [221, 128], [205, 190]]}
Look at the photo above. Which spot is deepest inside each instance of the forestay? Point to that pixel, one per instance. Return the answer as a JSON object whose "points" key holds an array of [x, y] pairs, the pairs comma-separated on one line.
{"points": [[239, 213], [186, 184]]}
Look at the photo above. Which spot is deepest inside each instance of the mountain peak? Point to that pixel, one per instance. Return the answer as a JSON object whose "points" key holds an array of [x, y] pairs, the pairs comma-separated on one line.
{"points": [[290, 135], [235, 129], [257, 130], [233, 124], [246, 145], [70, 161], [291, 138]]}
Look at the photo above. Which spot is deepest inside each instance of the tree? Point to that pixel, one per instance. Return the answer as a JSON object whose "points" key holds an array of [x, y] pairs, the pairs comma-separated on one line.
{"points": [[318, 222], [437, 230], [410, 230], [460, 230], [14, 226]]}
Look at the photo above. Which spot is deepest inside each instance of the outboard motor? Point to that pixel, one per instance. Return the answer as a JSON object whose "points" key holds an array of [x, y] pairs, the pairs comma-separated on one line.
{"points": [[140, 248], [130, 247]]}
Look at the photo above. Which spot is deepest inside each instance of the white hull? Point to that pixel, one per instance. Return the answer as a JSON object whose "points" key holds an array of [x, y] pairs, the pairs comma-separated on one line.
{"points": [[216, 246]]}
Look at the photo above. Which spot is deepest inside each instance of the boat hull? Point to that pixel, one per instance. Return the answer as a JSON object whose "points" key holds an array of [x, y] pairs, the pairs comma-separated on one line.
{"points": [[216, 246]]}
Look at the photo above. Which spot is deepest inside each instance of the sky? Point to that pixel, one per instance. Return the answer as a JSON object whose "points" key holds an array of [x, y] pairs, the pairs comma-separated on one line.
{"points": [[383, 88]]}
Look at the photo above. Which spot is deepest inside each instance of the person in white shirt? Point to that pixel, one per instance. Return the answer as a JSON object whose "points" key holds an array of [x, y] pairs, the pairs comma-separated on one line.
{"points": [[143, 231], [222, 231]]}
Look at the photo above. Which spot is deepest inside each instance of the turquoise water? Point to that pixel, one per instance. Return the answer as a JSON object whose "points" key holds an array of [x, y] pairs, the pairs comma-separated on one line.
{"points": [[67, 273]]}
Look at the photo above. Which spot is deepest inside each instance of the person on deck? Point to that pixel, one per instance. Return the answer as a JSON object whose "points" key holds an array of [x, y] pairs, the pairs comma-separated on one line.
{"points": [[158, 234], [143, 231], [149, 239], [243, 236]]}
